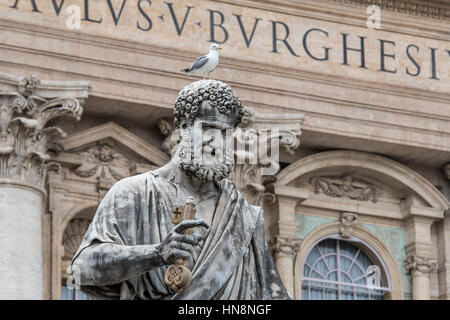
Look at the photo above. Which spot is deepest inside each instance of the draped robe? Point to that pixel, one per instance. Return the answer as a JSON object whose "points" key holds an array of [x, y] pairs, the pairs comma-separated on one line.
{"points": [[232, 262]]}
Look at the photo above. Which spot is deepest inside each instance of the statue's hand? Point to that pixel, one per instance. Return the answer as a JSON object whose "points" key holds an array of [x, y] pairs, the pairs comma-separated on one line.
{"points": [[178, 245]]}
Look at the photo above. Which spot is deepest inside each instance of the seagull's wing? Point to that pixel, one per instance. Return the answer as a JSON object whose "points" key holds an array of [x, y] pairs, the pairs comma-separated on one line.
{"points": [[197, 64], [200, 62]]}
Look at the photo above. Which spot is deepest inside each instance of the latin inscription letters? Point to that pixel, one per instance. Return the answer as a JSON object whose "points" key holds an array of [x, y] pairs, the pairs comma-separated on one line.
{"points": [[213, 25], [275, 38], [383, 55], [116, 17], [86, 13], [412, 60], [145, 15], [308, 52], [278, 34], [175, 20], [244, 33], [346, 48]]}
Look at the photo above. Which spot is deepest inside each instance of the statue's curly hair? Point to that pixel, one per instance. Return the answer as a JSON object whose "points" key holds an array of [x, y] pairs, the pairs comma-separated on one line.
{"points": [[217, 93]]}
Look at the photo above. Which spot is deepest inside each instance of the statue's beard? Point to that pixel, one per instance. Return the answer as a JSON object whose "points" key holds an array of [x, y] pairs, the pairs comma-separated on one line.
{"points": [[211, 170]]}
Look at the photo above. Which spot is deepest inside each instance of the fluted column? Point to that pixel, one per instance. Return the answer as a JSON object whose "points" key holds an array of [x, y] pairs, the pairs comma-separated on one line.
{"points": [[26, 105]]}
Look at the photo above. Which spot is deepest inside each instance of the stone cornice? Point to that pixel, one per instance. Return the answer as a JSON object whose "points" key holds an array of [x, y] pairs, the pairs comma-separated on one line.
{"points": [[417, 8]]}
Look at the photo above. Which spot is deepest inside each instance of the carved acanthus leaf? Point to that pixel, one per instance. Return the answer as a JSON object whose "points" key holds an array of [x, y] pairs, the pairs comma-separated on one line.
{"points": [[344, 187], [24, 140], [417, 265], [284, 246]]}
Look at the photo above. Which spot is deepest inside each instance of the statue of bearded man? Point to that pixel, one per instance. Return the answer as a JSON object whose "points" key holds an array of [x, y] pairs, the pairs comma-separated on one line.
{"points": [[131, 241]]}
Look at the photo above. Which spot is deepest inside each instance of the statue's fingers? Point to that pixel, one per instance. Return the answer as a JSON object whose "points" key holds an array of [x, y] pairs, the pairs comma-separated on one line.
{"points": [[194, 239], [198, 236], [187, 224], [178, 253], [184, 246]]}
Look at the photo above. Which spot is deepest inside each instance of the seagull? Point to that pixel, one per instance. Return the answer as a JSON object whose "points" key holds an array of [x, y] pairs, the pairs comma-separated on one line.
{"points": [[205, 64]]}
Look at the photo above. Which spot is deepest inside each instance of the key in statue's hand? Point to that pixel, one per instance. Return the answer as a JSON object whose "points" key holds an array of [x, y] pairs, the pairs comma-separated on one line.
{"points": [[179, 245]]}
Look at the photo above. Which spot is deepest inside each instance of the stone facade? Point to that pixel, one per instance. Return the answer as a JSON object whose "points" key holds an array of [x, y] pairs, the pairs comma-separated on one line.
{"points": [[362, 117]]}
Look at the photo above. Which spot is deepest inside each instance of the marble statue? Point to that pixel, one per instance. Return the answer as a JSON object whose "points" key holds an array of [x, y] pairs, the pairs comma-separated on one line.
{"points": [[133, 247]]}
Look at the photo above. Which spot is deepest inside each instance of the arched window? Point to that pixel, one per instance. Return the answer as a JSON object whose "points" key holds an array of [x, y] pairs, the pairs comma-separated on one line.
{"points": [[340, 270]]}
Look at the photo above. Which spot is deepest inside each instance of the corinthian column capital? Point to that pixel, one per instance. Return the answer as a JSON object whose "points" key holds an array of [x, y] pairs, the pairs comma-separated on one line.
{"points": [[260, 139], [26, 106], [284, 246], [416, 265]]}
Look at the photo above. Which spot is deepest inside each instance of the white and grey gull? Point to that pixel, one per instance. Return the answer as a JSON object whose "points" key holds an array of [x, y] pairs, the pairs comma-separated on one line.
{"points": [[206, 64]]}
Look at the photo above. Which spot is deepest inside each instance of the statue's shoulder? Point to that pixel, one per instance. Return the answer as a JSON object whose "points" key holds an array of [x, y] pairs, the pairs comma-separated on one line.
{"points": [[133, 184]]}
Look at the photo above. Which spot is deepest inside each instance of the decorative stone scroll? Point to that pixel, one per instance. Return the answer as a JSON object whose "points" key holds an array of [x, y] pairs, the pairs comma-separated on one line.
{"points": [[348, 221], [416, 265], [25, 141], [344, 187]]}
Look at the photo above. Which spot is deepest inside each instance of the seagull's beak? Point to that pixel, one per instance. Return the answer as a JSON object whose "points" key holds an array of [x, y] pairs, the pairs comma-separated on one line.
{"points": [[219, 48]]}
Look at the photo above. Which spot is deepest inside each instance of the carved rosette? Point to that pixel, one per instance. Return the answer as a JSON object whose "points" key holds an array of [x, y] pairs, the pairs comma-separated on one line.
{"points": [[348, 221], [419, 266], [284, 246], [24, 138]]}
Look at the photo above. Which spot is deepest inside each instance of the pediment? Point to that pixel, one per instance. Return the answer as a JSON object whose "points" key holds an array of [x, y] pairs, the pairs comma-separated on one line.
{"points": [[115, 136], [95, 159]]}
